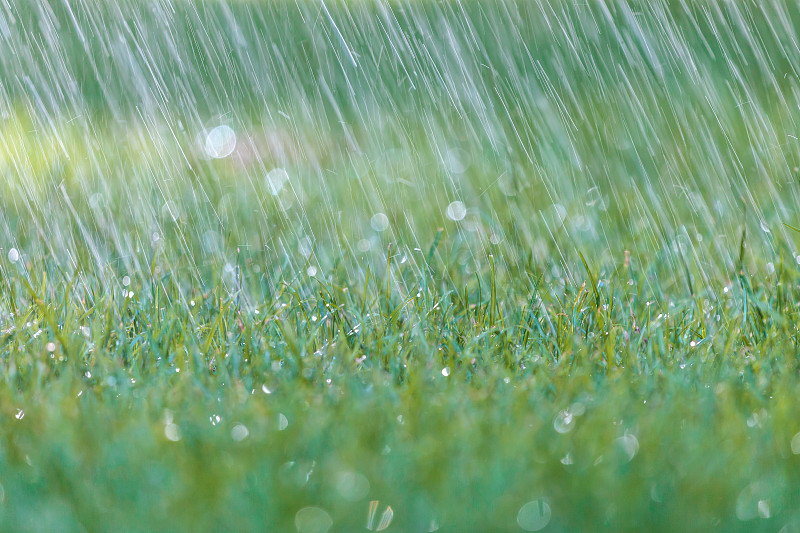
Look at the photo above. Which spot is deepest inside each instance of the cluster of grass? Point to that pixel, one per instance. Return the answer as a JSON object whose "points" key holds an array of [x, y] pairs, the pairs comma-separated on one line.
{"points": [[454, 266]]}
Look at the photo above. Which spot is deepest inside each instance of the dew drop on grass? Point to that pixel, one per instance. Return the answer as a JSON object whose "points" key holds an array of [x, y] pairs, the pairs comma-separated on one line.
{"points": [[446, 371], [220, 142], [456, 211], [13, 255], [379, 222], [534, 515], [312, 520]]}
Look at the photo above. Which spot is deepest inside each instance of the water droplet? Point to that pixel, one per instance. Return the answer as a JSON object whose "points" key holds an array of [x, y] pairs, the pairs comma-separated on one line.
{"points": [[220, 142], [51, 347], [312, 520], [13, 255], [265, 389], [379, 222], [446, 371], [126, 281], [456, 210], [215, 419], [534, 515]]}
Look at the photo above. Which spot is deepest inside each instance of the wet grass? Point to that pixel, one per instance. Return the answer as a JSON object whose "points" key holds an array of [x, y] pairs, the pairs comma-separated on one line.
{"points": [[442, 277]]}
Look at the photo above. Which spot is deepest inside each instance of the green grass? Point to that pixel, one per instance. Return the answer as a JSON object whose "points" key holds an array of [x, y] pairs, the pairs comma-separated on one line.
{"points": [[311, 335]]}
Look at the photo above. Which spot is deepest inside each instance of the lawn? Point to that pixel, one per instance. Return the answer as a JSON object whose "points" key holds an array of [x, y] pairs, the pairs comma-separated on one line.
{"points": [[428, 265]]}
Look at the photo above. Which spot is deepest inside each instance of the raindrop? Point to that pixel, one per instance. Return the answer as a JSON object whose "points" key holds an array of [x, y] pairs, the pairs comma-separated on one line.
{"points": [[534, 515], [456, 211], [379, 222], [312, 520], [220, 142]]}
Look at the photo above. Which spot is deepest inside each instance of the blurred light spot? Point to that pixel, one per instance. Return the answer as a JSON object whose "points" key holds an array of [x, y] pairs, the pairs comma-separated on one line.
{"points": [[564, 421], [796, 444], [265, 389], [628, 445], [754, 502], [126, 280], [379, 222], [13, 255], [283, 422], [51, 347], [456, 211], [534, 515], [386, 519], [311, 271], [305, 247], [239, 432], [172, 432], [446, 371], [220, 142], [312, 520], [276, 179], [352, 486], [456, 161], [363, 245]]}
